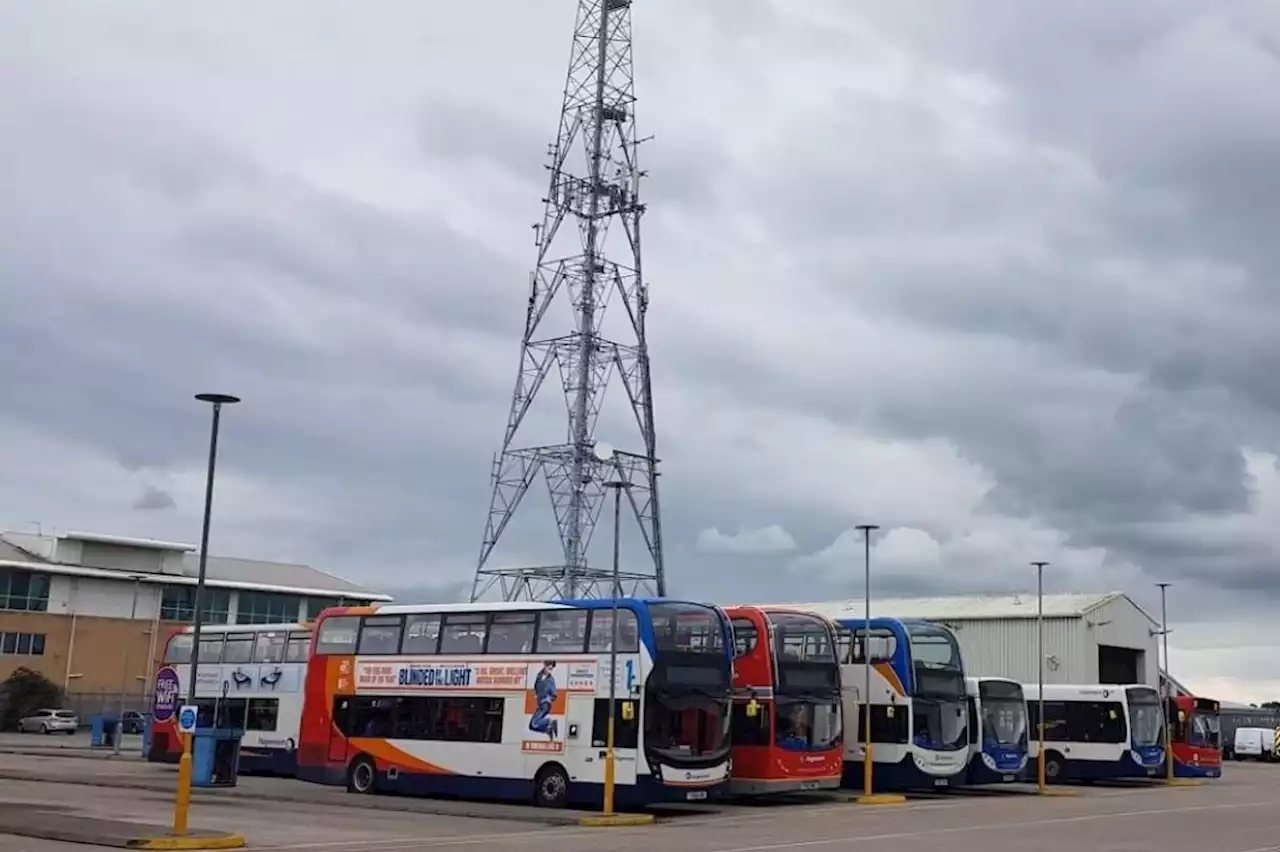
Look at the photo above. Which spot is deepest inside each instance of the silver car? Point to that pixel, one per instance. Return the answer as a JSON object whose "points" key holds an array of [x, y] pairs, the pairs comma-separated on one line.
{"points": [[49, 721]]}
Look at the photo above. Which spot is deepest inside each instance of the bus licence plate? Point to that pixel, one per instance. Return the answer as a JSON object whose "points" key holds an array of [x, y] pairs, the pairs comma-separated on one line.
{"points": [[694, 795], [808, 785], [939, 782]]}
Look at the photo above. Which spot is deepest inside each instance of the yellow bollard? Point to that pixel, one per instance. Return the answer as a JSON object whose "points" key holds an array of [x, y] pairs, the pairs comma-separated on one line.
{"points": [[183, 801], [608, 770]]}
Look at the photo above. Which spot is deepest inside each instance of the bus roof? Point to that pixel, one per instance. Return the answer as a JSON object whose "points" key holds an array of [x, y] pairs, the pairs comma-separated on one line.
{"points": [[1083, 690], [296, 626], [523, 606]]}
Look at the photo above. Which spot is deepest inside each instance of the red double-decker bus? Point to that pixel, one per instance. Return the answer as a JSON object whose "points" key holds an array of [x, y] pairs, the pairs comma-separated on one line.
{"points": [[786, 723], [1196, 739]]}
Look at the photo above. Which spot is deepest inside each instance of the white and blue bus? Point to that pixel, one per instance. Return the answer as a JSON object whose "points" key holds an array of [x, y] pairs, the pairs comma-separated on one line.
{"points": [[997, 730], [511, 700], [919, 709], [1096, 731]]}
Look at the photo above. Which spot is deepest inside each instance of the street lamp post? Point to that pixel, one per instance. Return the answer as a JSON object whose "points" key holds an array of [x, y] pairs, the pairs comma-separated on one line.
{"points": [[1168, 722], [867, 764], [1040, 779], [618, 486], [183, 802], [124, 677]]}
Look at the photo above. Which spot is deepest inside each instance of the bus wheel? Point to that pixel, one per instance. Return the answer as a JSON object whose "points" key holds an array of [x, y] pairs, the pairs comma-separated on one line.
{"points": [[551, 786], [361, 775], [1052, 766]]}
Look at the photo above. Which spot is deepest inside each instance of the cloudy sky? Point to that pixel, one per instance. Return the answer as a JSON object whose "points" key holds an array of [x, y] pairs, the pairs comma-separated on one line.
{"points": [[994, 275]]}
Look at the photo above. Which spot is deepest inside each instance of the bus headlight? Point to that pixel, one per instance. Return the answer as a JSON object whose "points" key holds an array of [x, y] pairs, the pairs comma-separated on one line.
{"points": [[989, 761]]}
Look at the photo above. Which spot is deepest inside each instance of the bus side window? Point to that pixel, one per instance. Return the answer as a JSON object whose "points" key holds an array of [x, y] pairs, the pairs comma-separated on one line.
{"points": [[885, 728], [512, 632], [602, 631], [338, 635], [562, 631], [745, 637], [464, 633], [179, 650], [750, 730], [626, 732]]}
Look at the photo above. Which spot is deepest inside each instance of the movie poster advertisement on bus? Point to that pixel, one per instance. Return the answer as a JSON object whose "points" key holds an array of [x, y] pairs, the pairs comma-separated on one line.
{"points": [[545, 684]]}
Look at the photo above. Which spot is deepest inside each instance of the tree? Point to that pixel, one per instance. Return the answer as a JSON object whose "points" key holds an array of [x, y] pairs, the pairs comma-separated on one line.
{"points": [[25, 691], [1271, 705]]}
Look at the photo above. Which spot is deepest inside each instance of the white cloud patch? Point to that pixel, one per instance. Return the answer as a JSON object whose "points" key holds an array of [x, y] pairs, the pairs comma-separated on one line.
{"points": [[770, 539]]}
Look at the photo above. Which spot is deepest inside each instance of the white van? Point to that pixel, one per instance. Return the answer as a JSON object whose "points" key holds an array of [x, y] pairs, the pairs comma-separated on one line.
{"points": [[1256, 743]]}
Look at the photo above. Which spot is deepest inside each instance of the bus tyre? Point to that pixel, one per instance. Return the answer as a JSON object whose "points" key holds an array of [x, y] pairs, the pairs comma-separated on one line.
{"points": [[551, 787], [1052, 766], [361, 775]]}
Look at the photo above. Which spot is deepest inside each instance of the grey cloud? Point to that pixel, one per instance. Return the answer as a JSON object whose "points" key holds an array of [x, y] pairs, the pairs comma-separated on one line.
{"points": [[1080, 239], [154, 499]]}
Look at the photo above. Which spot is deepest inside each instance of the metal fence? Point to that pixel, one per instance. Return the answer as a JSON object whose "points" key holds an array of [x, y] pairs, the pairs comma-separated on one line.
{"points": [[86, 704]]}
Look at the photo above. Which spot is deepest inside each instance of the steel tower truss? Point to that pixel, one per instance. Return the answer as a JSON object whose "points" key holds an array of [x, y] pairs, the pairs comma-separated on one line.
{"points": [[595, 183]]}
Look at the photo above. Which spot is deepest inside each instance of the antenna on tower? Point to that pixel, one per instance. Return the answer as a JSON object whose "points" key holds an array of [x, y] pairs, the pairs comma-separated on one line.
{"points": [[597, 118]]}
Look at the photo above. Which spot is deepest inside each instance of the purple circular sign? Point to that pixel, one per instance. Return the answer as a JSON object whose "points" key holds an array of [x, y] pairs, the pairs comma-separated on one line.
{"points": [[166, 698]]}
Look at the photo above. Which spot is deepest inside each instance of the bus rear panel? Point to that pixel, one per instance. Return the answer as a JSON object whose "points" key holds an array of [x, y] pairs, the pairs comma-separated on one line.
{"points": [[249, 676]]}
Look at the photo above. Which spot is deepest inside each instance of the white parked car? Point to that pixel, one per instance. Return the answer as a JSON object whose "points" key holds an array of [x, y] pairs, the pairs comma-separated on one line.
{"points": [[49, 721]]}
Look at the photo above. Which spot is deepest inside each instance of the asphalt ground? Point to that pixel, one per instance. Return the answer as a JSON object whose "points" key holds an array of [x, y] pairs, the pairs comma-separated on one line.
{"points": [[1239, 813]]}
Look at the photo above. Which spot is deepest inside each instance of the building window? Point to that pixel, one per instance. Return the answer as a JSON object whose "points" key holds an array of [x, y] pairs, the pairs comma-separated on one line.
{"points": [[267, 608], [317, 605], [25, 644], [177, 603], [24, 591]]}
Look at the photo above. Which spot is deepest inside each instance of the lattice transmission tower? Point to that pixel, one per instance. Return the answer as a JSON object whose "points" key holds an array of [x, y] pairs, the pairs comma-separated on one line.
{"points": [[595, 183]]}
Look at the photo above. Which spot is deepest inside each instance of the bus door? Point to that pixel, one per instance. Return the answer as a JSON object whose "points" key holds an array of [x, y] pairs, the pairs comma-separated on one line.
{"points": [[343, 710], [584, 738]]}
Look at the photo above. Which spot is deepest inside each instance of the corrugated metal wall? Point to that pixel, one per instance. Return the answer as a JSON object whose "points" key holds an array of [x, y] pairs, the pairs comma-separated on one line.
{"points": [[1007, 648]]}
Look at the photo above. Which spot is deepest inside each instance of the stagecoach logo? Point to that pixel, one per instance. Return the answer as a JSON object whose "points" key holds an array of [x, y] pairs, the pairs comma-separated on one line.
{"points": [[688, 776]]}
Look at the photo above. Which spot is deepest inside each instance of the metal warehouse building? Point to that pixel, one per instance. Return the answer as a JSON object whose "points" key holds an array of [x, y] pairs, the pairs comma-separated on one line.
{"points": [[1088, 638]]}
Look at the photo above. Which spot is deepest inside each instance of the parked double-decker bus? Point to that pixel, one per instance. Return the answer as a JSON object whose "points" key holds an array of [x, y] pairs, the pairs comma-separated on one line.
{"points": [[248, 676], [786, 727], [997, 730], [1196, 740], [919, 709], [511, 700], [1097, 731]]}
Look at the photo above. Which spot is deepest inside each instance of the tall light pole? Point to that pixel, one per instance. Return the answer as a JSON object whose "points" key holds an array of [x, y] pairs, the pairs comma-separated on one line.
{"points": [[1164, 703], [183, 802], [1040, 779], [618, 486], [867, 764], [124, 676]]}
